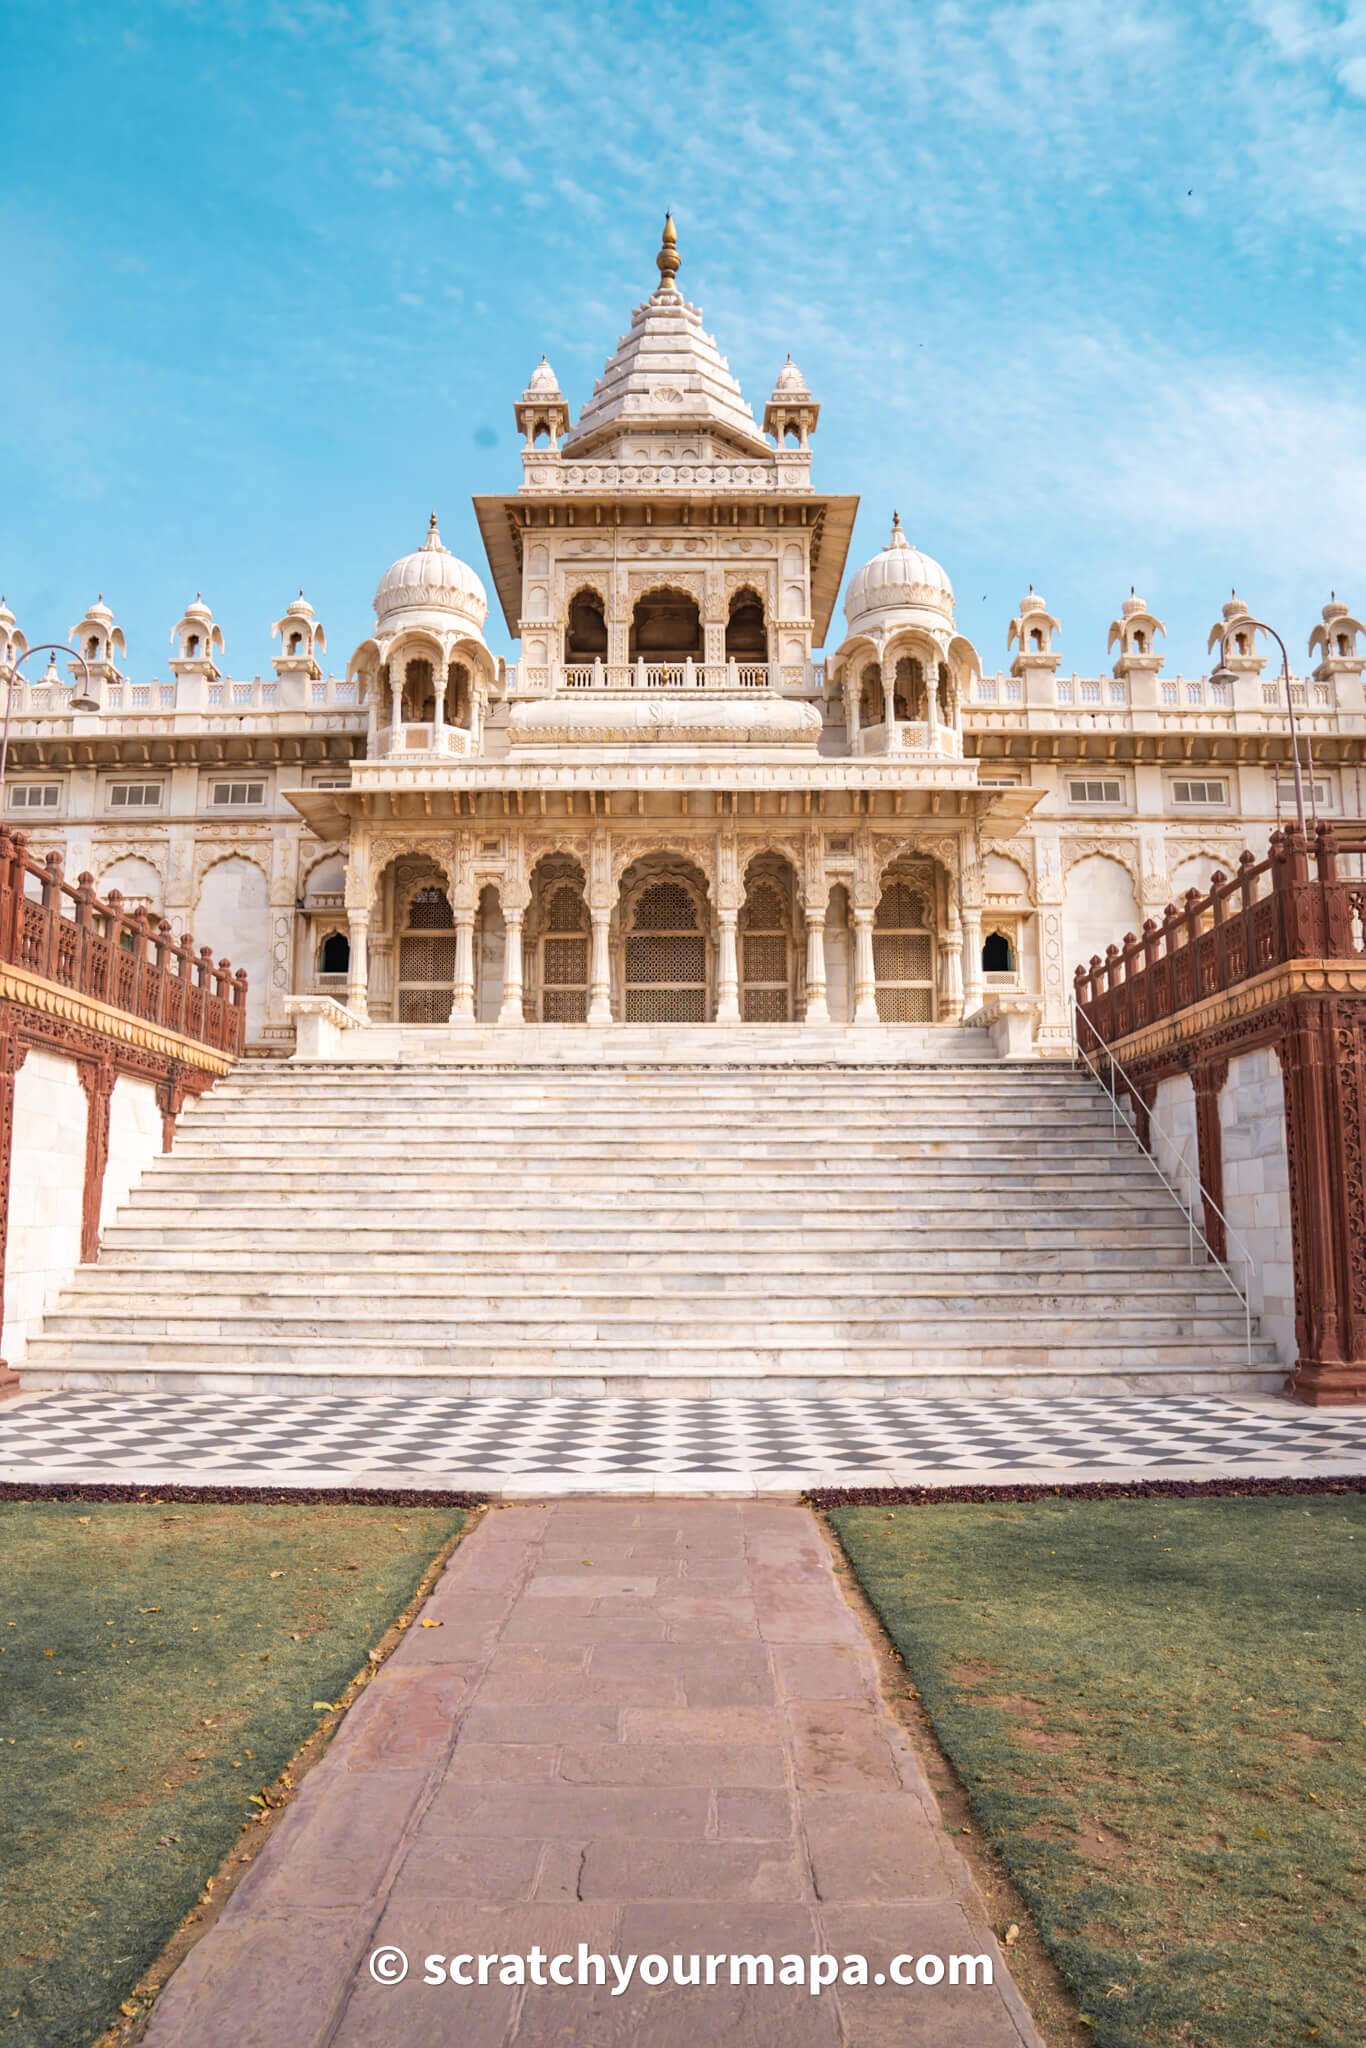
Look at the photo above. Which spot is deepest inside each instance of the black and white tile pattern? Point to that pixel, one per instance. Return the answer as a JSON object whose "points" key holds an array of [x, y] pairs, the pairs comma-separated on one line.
{"points": [[513, 1446]]}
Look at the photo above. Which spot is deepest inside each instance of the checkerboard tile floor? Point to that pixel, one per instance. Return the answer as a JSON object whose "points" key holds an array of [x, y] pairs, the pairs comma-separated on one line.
{"points": [[504, 1446]]}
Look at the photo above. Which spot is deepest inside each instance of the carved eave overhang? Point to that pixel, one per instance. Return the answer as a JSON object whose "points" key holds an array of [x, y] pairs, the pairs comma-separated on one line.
{"points": [[1172, 747], [846, 791], [328, 738], [503, 522]]}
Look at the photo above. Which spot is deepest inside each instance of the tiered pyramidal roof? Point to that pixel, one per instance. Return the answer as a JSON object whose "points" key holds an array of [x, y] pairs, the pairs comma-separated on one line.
{"points": [[667, 372]]}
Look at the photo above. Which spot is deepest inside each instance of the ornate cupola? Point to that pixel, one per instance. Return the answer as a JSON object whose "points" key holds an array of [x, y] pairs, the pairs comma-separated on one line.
{"points": [[791, 413], [1135, 633], [196, 637], [12, 642], [1031, 635], [1335, 641], [100, 643], [1235, 631], [542, 410], [301, 638]]}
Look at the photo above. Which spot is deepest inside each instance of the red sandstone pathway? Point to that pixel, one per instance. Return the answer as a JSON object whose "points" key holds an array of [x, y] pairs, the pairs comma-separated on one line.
{"points": [[652, 1728]]}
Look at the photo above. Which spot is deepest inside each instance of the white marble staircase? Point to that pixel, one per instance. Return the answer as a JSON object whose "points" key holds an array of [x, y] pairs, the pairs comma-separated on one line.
{"points": [[650, 1230]]}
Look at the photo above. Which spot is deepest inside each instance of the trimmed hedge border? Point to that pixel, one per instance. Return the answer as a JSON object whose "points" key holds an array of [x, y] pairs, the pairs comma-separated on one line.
{"points": [[1084, 1489], [270, 1496]]}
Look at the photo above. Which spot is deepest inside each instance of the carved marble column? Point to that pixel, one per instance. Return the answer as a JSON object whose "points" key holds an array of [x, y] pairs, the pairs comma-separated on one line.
{"points": [[817, 1008], [851, 720], [440, 677], [358, 973], [600, 964], [462, 1002], [511, 1012], [972, 961], [727, 970], [865, 972], [888, 691]]}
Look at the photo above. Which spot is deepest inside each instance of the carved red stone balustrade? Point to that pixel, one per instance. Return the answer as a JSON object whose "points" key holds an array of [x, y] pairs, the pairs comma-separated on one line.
{"points": [[96, 948], [1272, 955]]}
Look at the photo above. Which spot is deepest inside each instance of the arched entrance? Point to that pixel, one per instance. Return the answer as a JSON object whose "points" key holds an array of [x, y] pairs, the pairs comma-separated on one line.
{"points": [[904, 948], [666, 955], [767, 950], [666, 626], [425, 929], [558, 928]]}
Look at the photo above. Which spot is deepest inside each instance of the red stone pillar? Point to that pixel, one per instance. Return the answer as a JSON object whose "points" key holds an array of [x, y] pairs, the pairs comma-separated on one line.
{"points": [[1208, 1078], [12, 1051], [97, 1079], [1324, 1065]]}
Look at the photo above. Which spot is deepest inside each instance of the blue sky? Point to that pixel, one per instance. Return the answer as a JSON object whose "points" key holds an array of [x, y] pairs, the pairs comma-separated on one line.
{"points": [[1079, 286]]}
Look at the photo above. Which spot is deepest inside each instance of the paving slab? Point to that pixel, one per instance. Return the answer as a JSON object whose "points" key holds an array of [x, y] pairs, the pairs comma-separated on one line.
{"points": [[723, 1792]]}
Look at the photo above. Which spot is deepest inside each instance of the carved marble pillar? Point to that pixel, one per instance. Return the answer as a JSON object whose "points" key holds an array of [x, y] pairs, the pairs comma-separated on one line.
{"points": [[951, 1005], [851, 723], [600, 964], [865, 972], [395, 711], [888, 667], [727, 969], [972, 961], [817, 1008], [462, 1001], [358, 974], [511, 1012], [440, 679]]}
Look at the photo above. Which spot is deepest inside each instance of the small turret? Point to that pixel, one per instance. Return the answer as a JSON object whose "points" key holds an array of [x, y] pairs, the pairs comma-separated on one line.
{"points": [[1031, 634], [12, 642], [1236, 632], [100, 644], [196, 637], [542, 412], [301, 638], [1135, 633], [791, 413]]}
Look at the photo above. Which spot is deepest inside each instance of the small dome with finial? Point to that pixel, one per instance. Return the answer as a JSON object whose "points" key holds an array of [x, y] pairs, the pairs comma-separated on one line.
{"points": [[543, 383], [900, 579], [790, 381], [430, 579]]}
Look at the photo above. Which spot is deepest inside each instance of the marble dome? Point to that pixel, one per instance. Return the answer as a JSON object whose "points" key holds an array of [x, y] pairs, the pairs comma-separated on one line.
{"points": [[898, 582], [431, 581]]}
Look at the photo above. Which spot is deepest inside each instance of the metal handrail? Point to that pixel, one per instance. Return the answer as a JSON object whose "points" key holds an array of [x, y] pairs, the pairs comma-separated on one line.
{"points": [[1195, 1233]]}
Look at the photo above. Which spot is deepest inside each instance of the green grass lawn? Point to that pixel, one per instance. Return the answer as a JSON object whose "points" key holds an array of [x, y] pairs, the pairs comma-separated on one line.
{"points": [[1156, 1707], [159, 1665]]}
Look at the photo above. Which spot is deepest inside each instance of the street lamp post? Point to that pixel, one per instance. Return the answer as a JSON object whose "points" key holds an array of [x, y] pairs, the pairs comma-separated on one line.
{"points": [[1224, 674], [79, 700]]}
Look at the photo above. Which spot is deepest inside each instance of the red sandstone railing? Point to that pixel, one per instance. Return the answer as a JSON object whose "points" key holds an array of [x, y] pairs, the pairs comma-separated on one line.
{"points": [[96, 948], [1269, 912]]}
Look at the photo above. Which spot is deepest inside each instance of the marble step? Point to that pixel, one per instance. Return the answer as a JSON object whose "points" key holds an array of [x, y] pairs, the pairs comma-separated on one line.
{"points": [[961, 1382], [588, 1355], [597, 1196], [97, 1291], [406, 1183], [378, 1336], [367, 1264], [500, 1153], [338, 1242]]}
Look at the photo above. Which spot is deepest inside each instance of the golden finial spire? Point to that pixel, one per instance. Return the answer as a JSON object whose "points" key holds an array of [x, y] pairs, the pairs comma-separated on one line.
{"points": [[668, 259]]}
